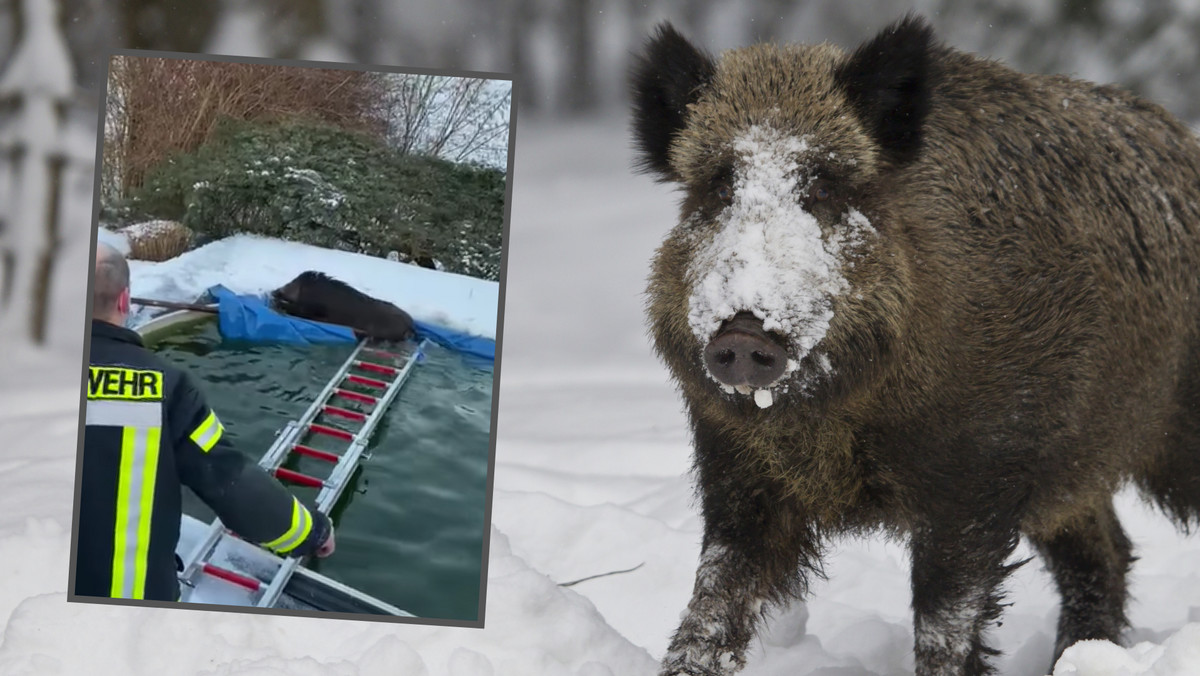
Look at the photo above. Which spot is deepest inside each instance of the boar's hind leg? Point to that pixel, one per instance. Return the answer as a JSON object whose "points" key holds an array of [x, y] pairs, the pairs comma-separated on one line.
{"points": [[957, 570], [756, 553], [1172, 479], [1089, 559]]}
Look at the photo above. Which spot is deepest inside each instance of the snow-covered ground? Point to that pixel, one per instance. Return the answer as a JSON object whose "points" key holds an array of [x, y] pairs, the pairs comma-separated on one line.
{"points": [[591, 469], [593, 452], [253, 265]]}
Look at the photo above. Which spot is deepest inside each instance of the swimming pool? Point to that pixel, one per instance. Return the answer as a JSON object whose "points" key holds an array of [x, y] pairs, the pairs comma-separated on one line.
{"points": [[410, 525]]}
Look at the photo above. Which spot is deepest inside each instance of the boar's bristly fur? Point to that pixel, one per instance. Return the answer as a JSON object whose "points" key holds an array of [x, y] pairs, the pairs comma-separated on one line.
{"points": [[317, 296], [972, 296]]}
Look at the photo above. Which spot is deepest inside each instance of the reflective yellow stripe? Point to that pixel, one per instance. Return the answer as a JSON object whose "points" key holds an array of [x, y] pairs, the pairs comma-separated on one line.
{"points": [[135, 506], [208, 433], [301, 527], [150, 472]]}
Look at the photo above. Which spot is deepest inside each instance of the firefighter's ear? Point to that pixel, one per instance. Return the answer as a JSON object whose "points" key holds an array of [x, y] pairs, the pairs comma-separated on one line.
{"points": [[123, 302]]}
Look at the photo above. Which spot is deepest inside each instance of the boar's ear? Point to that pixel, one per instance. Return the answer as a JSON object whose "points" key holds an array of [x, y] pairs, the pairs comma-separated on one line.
{"points": [[665, 78], [887, 80]]}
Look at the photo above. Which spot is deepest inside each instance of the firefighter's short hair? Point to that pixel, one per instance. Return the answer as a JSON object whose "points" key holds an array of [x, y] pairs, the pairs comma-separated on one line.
{"points": [[112, 277]]}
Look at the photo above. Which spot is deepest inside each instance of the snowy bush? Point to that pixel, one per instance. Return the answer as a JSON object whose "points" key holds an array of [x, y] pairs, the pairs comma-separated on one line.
{"points": [[333, 188], [156, 240]]}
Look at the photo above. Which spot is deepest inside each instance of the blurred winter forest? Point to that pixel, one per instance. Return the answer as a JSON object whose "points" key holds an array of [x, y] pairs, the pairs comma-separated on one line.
{"points": [[569, 55], [568, 59]]}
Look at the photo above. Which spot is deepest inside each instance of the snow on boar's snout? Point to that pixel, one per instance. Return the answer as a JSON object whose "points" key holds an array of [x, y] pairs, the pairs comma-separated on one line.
{"points": [[766, 256], [916, 291]]}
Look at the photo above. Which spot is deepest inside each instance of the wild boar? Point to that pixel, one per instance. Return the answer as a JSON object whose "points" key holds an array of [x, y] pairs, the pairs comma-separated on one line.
{"points": [[319, 297], [916, 292]]}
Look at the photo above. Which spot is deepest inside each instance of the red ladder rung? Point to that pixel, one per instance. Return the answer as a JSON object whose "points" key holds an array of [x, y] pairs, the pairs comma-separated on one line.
{"points": [[361, 380], [378, 368], [357, 396], [230, 576], [331, 431], [384, 353], [345, 413], [299, 478], [315, 453]]}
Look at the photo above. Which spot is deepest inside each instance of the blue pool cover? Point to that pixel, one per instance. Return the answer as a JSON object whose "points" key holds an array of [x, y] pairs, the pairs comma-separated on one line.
{"points": [[248, 318]]}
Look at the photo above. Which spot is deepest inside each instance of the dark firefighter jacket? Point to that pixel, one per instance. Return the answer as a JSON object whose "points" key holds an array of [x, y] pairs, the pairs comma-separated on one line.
{"points": [[149, 432]]}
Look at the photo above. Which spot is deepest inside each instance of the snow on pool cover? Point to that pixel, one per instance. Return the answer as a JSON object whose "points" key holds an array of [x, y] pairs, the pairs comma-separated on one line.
{"points": [[247, 264]]}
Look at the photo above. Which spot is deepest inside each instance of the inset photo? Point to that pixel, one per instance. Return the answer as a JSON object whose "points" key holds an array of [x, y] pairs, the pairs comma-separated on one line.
{"points": [[295, 302]]}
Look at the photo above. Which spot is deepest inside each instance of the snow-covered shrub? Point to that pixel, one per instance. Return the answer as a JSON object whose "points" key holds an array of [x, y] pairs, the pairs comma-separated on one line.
{"points": [[157, 240], [334, 188]]}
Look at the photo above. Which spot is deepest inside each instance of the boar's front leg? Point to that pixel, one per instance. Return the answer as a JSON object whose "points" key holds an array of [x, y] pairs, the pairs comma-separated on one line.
{"points": [[957, 568], [755, 552]]}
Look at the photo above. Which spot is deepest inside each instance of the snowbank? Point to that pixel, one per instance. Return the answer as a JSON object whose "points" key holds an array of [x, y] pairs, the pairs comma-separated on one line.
{"points": [[534, 627], [1179, 655], [248, 264], [114, 239]]}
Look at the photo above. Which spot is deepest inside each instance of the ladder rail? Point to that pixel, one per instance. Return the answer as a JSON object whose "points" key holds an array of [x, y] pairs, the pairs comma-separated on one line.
{"points": [[273, 589]]}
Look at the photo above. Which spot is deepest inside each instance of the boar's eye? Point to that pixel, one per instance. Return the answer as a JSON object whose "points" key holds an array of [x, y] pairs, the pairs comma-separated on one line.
{"points": [[821, 191], [724, 192]]}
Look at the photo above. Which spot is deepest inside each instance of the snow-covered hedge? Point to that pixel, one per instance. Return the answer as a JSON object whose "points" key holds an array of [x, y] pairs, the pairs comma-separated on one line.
{"points": [[333, 188]]}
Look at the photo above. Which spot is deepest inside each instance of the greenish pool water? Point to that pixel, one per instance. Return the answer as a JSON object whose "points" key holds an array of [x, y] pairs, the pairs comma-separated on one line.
{"points": [[410, 525]]}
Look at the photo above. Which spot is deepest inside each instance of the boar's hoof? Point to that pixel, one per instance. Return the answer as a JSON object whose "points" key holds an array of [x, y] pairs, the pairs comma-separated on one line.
{"points": [[742, 354]]}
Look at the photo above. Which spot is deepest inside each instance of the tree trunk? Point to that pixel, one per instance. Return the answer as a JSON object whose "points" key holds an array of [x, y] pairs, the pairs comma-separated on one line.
{"points": [[170, 26], [38, 80], [44, 265], [28, 235], [520, 18], [368, 30], [580, 92]]}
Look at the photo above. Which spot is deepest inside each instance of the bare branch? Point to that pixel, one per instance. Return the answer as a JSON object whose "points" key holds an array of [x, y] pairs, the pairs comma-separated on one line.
{"points": [[457, 119]]}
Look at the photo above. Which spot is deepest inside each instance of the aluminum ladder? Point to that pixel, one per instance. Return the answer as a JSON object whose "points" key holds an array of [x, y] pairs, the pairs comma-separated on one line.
{"points": [[288, 442]]}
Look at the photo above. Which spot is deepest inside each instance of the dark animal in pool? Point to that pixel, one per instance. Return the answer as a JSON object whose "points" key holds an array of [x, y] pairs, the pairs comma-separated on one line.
{"points": [[319, 297], [915, 291]]}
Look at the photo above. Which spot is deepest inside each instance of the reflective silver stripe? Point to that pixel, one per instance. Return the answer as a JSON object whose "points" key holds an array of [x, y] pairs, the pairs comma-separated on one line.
{"points": [[113, 413], [209, 431], [135, 503]]}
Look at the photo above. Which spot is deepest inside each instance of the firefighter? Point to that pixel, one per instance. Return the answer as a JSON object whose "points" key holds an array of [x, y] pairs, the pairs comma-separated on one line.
{"points": [[149, 432]]}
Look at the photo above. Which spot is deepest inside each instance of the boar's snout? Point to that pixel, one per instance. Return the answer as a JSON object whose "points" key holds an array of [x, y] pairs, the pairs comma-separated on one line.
{"points": [[287, 292], [741, 353]]}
